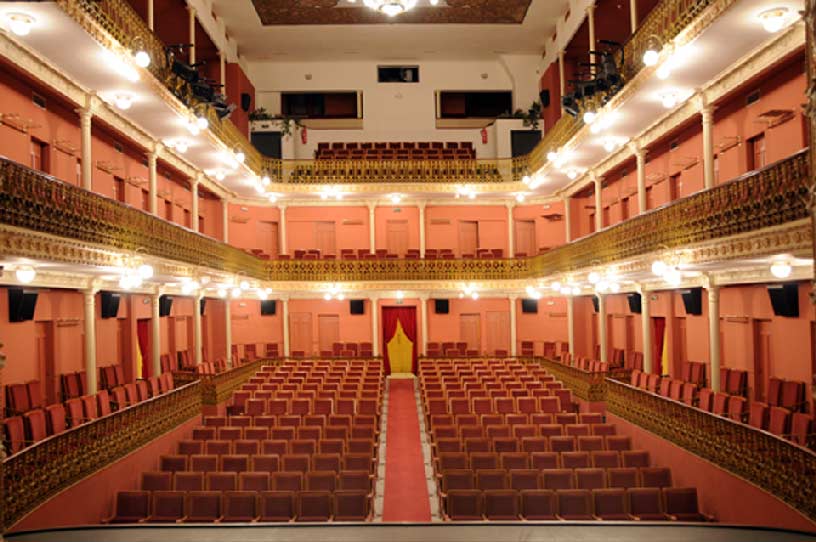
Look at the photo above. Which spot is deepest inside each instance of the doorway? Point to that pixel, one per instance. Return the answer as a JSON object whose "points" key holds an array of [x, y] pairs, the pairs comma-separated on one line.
{"points": [[46, 366], [470, 331], [268, 238], [526, 237], [498, 332], [762, 357], [396, 237], [300, 328], [468, 237], [325, 237], [328, 331]]}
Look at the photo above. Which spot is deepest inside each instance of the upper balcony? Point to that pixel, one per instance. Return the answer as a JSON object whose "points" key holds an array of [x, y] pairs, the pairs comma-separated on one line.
{"points": [[166, 104]]}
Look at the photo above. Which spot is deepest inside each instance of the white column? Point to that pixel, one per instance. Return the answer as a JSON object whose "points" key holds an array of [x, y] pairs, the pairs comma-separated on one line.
{"points": [[192, 22], [372, 235], [153, 178], [511, 242], [228, 330], [633, 15], [225, 219], [568, 219], [222, 60], [155, 334], [86, 142], [714, 334], [562, 72], [285, 316], [375, 326], [282, 230], [197, 341], [150, 16], [423, 316], [598, 202], [571, 324], [513, 331], [640, 159], [90, 340], [421, 229], [602, 327], [707, 112], [194, 209], [591, 21], [646, 331]]}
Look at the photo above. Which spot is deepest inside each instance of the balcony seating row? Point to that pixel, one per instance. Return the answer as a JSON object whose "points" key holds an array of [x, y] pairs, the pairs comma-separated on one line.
{"points": [[37, 424], [349, 254], [396, 151], [395, 145]]}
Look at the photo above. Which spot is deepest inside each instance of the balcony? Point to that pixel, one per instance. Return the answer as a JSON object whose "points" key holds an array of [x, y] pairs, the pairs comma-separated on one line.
{"points": [[71, 218]]}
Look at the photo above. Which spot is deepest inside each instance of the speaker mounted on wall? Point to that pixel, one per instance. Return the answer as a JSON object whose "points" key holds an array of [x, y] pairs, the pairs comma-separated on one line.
{"points": [[529, 306], [357, 306], [441, 306], [544, 97], [246, 102], [269, 307]]}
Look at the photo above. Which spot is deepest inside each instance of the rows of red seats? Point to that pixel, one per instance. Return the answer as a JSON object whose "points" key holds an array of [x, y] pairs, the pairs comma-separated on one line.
{"points": [[583, 363], [384, 254], [435, 150], [781, 421], [39, 423], [507, 444], [299, 442]]}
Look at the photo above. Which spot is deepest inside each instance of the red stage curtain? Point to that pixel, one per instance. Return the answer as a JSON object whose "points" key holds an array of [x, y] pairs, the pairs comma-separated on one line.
{"points": [[143, 333], [659, 327], [406, 316]]}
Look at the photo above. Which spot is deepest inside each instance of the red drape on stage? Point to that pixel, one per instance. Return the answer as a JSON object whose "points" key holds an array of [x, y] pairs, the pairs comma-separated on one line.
{"points": [[659, 328], [143, 334], [406, 316]]}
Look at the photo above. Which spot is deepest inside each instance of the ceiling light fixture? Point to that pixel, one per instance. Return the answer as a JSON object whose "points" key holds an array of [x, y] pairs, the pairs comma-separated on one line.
{"points": [[392, 8], [395, 198], [652, 53], [123, 101], [775, 19], [20, 24], [669, 99], [141, 58]]}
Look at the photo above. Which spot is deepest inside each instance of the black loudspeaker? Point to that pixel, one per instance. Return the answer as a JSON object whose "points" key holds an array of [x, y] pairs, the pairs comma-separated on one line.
{"points": [[246, 102], [785, 299], [634, 303], [201, 306], [544, 97], [269, 307], [356, 306], [596, 304], [529, 306], [21, 304], [693, 301], [165, 304], [441, 306], [110, 304]]}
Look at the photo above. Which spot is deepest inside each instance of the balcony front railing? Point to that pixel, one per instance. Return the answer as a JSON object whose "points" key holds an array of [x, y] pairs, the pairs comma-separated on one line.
{"points": [[116, 20], [781, 467], [37, 473], [774, 196]]}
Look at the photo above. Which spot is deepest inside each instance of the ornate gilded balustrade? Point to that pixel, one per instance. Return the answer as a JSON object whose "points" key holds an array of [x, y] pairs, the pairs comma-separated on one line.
{"points": [[116, 21], [216, 389], [773, 196], [39, 472], [774, 464]]}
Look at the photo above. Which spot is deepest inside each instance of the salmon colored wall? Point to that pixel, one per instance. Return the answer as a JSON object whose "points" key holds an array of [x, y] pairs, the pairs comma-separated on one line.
{"points": [[445, 233], [447, 327], [549, 325], [249, 327], [352, 328], [211, 209], [582, 209], [350, 226], [91, 500], [551, 80], [384, 213], [716, 488], [550, 233], [238, 83], [243, 226]]}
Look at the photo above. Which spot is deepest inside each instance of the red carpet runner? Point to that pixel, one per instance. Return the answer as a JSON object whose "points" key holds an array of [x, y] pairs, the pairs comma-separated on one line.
{"points": [[406, 492]]}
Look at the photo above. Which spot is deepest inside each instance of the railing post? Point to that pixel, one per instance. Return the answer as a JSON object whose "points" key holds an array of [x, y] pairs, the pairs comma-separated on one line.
{"points": [[285, 317], [423, 316], [421, 206], [633, 15], [640, 160], [590, 10], [598, 182], [375, 326], [646, 330], [228, 330]]}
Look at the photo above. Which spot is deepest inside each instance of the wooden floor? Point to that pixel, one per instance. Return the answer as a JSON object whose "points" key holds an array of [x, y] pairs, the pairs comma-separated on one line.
{"points": [[371, 532]]}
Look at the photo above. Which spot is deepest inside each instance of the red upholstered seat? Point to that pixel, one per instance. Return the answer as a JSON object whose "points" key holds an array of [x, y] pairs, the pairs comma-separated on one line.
{"points": [[590, 478], [130, 507], [157, 481], [538, 505], [167, 506], [188, 481], [464, 505], [521, 479], [501, 505], [240, 506], [14, 433], [222, 481], [624, 477], [646, 504], [635, 458], [287, 481], [203, 507], [314, 506], [557, 479], [655, 477], [351, 505], [253, 481], [277, 506], [681, 504], [611, 505], [575, 505]]}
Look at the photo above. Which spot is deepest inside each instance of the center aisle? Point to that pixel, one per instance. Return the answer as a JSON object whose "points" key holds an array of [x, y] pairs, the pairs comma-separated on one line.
{"points": [[406, 491]]}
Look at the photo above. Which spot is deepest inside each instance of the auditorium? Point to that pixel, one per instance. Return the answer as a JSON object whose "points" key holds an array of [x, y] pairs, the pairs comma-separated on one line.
{"points": [[407, 270]]}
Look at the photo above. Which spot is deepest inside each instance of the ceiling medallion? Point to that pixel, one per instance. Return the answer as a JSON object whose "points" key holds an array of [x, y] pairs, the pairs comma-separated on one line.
{"points": [[392, 8]]}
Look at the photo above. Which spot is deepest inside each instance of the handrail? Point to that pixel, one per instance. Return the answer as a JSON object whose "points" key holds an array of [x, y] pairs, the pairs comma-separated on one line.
{"points": [[773, 196], [585, 385], [779, 466], [108, 20], [37, 473]]}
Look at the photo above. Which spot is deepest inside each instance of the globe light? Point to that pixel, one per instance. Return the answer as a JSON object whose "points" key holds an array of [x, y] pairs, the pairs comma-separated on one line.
{"points": [[142, 59], [25, 274], [781, 269], [650, 57]]}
